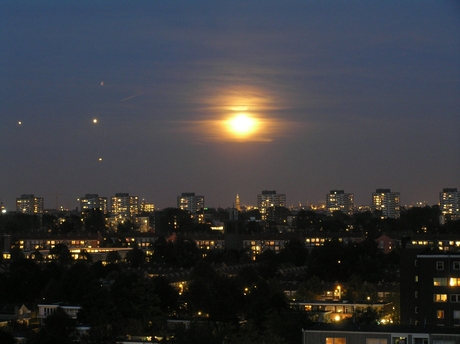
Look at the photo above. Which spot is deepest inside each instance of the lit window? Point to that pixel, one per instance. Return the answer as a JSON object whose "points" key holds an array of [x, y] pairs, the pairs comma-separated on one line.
{"points": [[454, 282], [336, 341], [376, 341], [440, 314], [439, 282], [440, 297]]}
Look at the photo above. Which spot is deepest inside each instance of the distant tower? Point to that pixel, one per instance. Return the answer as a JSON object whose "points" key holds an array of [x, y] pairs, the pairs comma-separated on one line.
{"points": [[29, 204], [338, 200], [93, 201], [189, 201], [387, 202], [124, 205], [449, 202], [237, 202], [269, 199]]}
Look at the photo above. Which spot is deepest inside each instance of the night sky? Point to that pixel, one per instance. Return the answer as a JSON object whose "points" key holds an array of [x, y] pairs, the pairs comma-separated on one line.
{"points": [[352, 95]]}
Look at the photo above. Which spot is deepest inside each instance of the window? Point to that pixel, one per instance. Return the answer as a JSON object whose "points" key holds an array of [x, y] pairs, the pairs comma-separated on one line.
{"points": [[439, 265], [440, 297], [420, 340], [443, 342], [440, 314], [454, 282], [454, 297], [415, 262], [457, 265], [375, 341], [416, 278], [416, 294], [336, 341], [439, 282], [416, 310]]}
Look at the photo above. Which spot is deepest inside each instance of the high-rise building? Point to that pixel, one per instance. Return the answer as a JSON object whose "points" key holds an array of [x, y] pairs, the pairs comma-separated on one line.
{"points": [[449, 202], [29, 204], [124, 205], [338, 200], [269, 199], [237, 202], [430, 288], [386, 202], [146, 207], [93, 202], [190, 202]]}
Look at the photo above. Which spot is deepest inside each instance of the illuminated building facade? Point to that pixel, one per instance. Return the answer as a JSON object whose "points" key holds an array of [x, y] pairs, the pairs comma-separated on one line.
{"points": [[430, 288], [124, 205], [146, 207], [29, 204], [269, 199], [190, 202], [93, 202], [338, 200], [387, 202], [237, 202], [449, 202]]}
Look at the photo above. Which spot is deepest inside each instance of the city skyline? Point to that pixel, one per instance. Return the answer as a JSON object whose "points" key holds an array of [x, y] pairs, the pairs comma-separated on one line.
{"points": [[218, 98], [254, 202]]}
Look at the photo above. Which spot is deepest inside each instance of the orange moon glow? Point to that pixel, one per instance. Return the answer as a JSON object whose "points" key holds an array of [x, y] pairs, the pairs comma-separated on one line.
{"points": [[242, 125]]}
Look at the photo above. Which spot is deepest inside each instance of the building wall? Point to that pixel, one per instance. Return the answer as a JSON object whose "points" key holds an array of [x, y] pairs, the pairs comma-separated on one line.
{"points": [[338, 200], [430, 289], [29, 204], [387, 202]]}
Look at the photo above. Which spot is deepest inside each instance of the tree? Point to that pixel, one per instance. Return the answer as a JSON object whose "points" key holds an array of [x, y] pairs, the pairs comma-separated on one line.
{"points": [[6, 337], [113, 257], [58, 329], [135, 257], [71, 223], [127, 226], [295, 253], [95, 221], [61, 253], [37, 256], [310, 290]]}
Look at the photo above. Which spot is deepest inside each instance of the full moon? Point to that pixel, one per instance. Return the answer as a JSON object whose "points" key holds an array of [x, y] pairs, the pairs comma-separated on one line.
{"points": [[242, 125]]}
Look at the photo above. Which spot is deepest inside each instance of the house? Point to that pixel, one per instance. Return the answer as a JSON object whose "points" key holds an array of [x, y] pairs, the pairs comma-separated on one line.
{"points": [[379, 334], [12, 312], [45, 310]]}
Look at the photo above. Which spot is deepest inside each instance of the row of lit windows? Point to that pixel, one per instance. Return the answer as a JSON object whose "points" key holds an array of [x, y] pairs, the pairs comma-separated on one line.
{"points": [[442, 282], [443, 298], [344, 341]]}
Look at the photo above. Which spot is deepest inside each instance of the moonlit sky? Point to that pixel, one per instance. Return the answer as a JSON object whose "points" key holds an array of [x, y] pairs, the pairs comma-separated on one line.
{"points": [[352, 95]]}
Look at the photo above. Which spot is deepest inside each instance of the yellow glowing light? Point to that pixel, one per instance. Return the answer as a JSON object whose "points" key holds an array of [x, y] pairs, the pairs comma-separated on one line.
{"points": [[242, 125], [100, 159], [19, 122], [95, 120]]}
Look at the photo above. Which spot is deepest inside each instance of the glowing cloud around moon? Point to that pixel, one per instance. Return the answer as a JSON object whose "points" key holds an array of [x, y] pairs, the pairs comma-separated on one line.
{"points": [[242, 125], [238, 114]]}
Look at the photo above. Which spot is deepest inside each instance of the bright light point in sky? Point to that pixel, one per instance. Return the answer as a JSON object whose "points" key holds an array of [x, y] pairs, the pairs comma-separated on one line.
{"points": [[95, 120], [100, 159], [242, 125], [19, 122]]}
